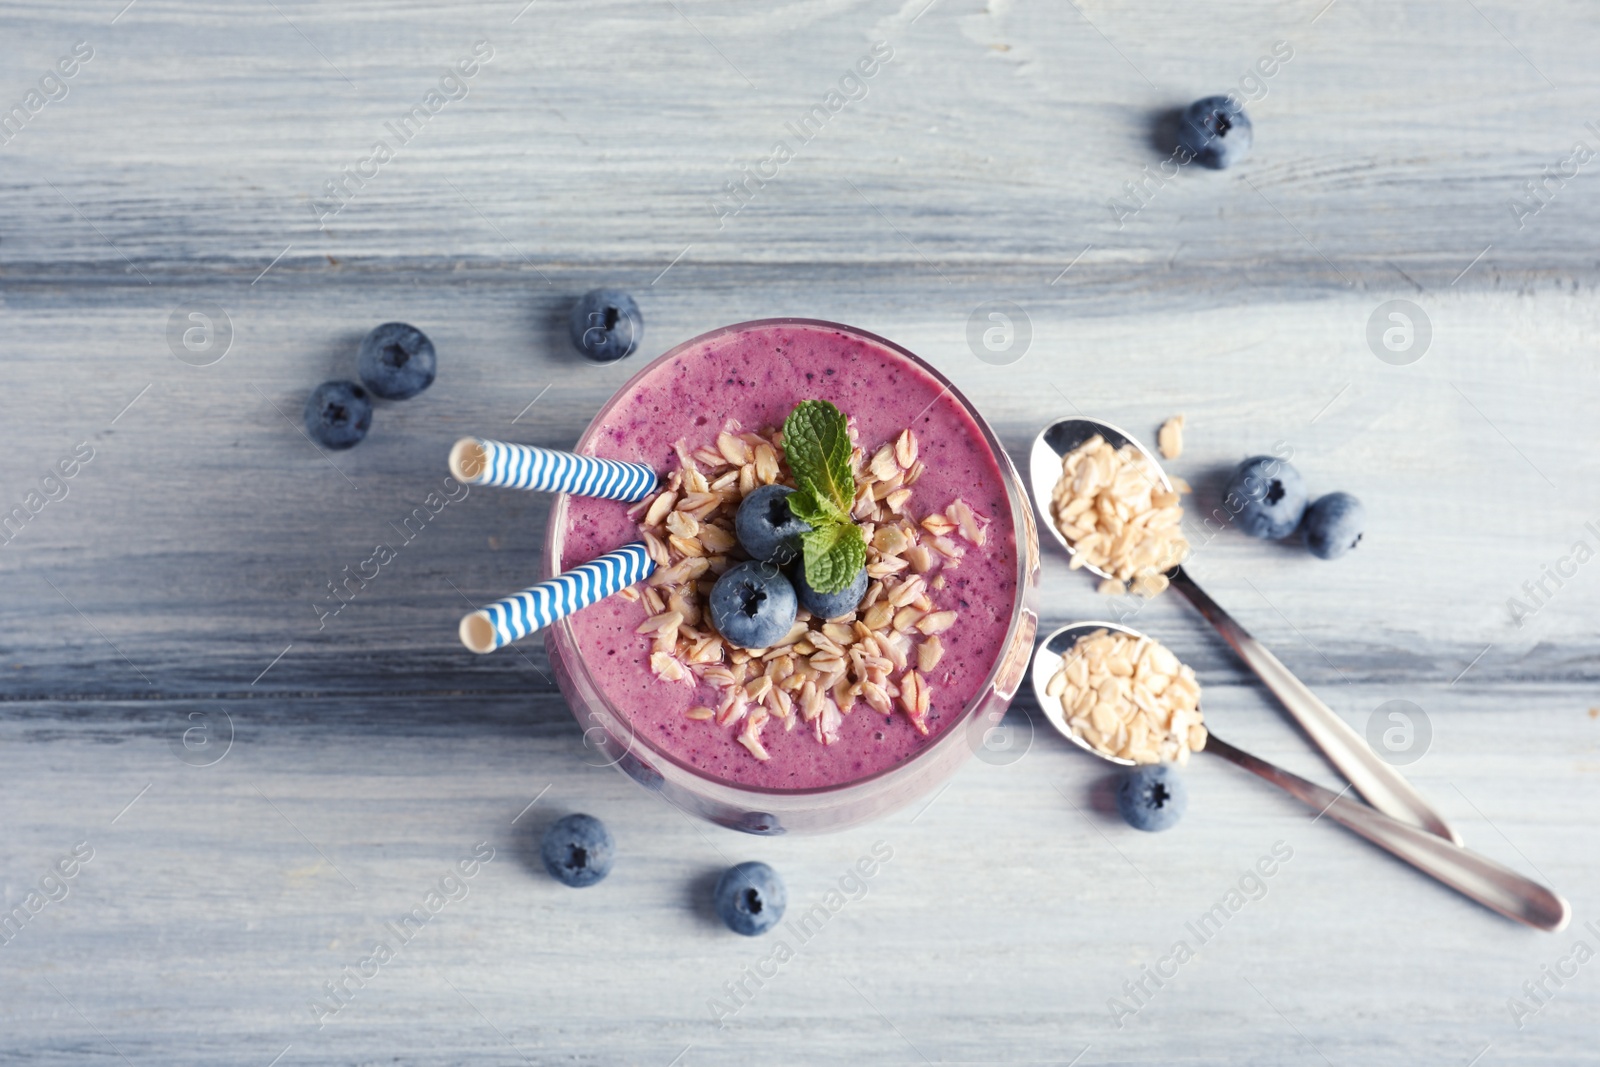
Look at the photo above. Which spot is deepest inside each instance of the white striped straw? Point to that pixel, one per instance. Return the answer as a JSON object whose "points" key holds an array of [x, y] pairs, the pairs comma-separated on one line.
{"points": [[520, 614], [477, 461]]}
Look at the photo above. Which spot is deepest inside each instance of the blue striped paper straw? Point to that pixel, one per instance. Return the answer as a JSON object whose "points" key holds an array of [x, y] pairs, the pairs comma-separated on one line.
{"points": [[520, 614], [481, 462]]}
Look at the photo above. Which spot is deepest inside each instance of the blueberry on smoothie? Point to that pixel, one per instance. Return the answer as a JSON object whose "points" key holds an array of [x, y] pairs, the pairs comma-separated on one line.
{"points": [[577, 850], [765, 527], [338, 414], [753, 605], [1268, 495], [1216, 131], [1334, 524], [1152, 796], [830, 605], [750, 898], [606, 325], [397, 361]]}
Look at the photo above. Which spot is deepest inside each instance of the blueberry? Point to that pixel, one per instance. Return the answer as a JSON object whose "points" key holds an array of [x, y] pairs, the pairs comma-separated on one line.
{"points": [[577, 850], [1152, 796], [606, 325], [1268, 495], [765, 527], [1333, 525], [397, 361], [750, 898], [338, 414], [829, 605], [1216, 131], [753, 605]]}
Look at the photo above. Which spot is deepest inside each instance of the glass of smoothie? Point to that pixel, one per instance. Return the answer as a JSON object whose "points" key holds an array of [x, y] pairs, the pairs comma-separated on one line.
{"points": [[947, 645]]}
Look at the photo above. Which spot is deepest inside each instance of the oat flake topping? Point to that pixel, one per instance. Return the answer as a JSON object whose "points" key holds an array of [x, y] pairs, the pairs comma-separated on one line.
{"points": [[882, 654]]}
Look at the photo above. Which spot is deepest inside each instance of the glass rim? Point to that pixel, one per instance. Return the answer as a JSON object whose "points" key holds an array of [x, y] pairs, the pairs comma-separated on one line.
{"points": [[1016, 498]]}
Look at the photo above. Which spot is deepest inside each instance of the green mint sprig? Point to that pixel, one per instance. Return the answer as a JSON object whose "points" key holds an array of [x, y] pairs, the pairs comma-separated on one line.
{"points": [[816, 442]]}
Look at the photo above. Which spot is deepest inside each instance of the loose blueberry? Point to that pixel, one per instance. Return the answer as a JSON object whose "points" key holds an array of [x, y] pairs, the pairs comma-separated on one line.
{"points": [[765, 527], [397, 361], [577, 850], [750, 898], [1268, 495], [1333, 525], [829, 605], [606, 325], [338, 414], [1216, 131], [1152, 796], [753, 605]]}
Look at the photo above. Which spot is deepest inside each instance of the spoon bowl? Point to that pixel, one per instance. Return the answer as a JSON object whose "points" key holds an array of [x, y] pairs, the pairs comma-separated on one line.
{"points": [[1047, 659], [1054, 442]]}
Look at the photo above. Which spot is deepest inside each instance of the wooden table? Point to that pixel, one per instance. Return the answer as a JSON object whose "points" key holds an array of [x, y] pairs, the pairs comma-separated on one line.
{"points": [[173, 592]]}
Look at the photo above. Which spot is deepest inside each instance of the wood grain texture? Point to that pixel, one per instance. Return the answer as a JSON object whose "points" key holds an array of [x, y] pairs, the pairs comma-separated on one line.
{"points": [[198, 138], [178, 581]]}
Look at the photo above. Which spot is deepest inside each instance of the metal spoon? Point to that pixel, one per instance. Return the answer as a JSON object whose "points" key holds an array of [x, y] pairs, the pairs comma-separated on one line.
{"points": [[1475, 876], [1382, 785]]}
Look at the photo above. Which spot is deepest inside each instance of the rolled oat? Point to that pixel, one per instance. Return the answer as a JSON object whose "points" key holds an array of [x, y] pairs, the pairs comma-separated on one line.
{"points": [[1113, 510], [883, 654], [1169, 439], [1129, 696]]}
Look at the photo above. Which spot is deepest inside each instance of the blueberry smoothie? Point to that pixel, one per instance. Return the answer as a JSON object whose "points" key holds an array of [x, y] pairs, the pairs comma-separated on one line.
{"points": [[849, 697]]}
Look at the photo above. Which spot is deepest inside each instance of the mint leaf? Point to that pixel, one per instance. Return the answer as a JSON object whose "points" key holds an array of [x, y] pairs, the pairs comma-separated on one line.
{"points": [[834, 556], [816, 442], [816, 513]]}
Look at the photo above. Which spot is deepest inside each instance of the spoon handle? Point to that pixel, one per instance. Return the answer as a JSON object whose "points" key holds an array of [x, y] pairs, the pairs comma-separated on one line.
{"points": [[1478, 877], [1377, 781]]}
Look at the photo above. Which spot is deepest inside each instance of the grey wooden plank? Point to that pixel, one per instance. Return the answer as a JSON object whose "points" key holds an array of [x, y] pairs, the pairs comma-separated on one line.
{"points": [[199, 541], [1013, 907], [997, 133]]}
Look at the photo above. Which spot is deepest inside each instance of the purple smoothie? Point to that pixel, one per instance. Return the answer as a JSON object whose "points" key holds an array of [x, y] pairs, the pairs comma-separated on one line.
{"points": [[757, 376]]}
